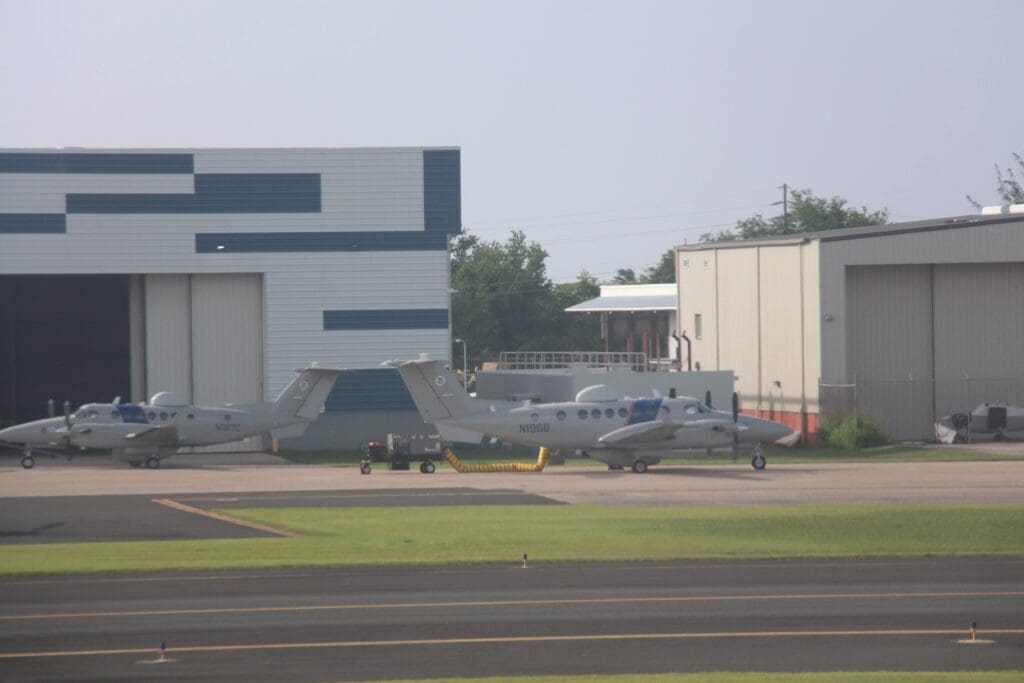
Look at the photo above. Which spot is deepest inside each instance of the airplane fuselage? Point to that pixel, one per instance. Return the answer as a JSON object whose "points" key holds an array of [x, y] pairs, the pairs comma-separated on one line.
{"points": [[580, 425]]}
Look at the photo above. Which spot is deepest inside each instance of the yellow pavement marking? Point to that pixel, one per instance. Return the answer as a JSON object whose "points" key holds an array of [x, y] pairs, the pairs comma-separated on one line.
{"points": [[223, 518], [512, 640], [510, 603]]}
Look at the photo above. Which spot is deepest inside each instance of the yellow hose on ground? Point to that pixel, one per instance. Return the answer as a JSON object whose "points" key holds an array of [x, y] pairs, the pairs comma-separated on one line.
{"points": [[459, 466]]}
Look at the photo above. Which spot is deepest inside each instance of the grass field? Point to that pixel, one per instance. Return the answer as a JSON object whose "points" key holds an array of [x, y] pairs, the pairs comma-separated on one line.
{"points": [[590, 533], [759, 677], [775, 455]]}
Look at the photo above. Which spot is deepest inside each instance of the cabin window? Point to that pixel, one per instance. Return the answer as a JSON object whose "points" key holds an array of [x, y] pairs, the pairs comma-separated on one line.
{"points": [[623, 412], [609, 413], [595, 413], [534, 417], [698, 326], [151, 415], [560, 415], [582, 414], [227, 418], [163, 416]]}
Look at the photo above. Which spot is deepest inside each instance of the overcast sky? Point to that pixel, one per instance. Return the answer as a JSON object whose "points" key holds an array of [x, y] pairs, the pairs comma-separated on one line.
{"points": [[608, 132]]}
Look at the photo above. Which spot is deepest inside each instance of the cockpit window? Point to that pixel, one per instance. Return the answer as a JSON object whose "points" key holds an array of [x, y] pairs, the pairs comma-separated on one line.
{"points": [[114, 415], [692, 409]]}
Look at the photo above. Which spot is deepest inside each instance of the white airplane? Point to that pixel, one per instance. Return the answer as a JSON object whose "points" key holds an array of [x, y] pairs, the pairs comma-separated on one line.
{"points": [[139, 433], [620, 432]]}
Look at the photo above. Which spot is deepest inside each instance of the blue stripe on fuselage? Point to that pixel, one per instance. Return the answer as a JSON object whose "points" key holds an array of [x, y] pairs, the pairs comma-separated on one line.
{"points": [[644, 410], [131, 413]]}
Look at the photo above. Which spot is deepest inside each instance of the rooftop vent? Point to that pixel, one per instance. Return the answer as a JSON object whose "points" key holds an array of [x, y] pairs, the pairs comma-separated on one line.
{"points": [[1002, 209]]}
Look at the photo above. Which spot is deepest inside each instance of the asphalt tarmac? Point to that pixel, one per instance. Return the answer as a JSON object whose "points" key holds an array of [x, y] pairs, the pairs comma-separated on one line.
{"points": [[306, 625], [65, 519]]}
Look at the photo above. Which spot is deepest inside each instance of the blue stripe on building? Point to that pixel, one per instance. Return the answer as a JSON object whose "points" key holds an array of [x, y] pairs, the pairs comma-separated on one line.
{"points": [[358, 390], [396, 319], [261, 242], [94, 162], [33, 223], [442, 191], [215, 193]]}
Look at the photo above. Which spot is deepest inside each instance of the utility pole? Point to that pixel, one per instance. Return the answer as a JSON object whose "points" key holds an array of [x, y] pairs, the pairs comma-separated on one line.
{"points": [[785, 207]]}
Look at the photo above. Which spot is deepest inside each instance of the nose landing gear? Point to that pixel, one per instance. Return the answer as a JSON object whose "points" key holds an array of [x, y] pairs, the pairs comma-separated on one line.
{"points": [[758, 461], [27, 461]]}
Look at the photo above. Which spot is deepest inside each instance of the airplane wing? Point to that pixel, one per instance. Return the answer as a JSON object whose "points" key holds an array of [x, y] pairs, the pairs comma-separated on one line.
{"points": [[642, 433], [646, 433], [156, 436], [724, 426]]}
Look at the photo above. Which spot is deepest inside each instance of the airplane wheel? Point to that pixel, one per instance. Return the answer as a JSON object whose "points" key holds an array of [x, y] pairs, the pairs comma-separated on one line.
{"points": [[364, 468], [758, 462], [427, 467], [153, 463], [28, 462], [639, 466]]}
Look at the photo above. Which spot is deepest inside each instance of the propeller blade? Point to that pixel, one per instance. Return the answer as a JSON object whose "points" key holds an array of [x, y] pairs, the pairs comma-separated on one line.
{"points": [[707, 398]]}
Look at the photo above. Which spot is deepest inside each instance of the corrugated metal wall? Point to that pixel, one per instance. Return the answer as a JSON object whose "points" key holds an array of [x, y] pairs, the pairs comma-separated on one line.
{"points": [[889, 337]]}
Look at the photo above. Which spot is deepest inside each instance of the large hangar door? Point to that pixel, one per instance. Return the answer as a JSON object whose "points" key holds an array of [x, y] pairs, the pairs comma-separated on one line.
{"points": [[227, 343], [889, 346], [979, 328], [204, 339]]}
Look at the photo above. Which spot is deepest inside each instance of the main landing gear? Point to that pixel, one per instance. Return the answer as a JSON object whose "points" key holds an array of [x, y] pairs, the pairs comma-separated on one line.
{"points": [[153, 462], [758, 461], [639, 466]]}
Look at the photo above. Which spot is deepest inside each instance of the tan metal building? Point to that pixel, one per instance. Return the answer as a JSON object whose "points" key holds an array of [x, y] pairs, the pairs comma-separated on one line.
{"points": [[905, 322]]}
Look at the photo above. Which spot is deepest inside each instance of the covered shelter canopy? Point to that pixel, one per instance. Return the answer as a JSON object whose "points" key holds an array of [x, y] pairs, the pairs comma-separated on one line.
{"points": [[636, 318]]}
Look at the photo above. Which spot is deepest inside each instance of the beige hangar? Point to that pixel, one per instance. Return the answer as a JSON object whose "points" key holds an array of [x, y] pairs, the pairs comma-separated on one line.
{"points": [[904, 322]]}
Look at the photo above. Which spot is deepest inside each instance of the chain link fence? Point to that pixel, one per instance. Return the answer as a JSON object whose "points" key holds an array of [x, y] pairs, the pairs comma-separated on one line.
{"points": [[908, 408]]}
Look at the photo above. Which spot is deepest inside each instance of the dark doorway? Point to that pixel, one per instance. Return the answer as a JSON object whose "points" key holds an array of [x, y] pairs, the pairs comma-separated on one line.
{"points": [[64, 337]]}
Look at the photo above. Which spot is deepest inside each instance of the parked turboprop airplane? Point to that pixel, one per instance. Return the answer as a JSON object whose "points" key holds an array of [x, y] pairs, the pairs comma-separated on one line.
{"points": [[620, 432], [149, 433]]}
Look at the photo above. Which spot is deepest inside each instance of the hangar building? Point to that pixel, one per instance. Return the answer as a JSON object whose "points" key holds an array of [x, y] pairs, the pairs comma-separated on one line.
{"points": [[217, 272], [905, 322]]}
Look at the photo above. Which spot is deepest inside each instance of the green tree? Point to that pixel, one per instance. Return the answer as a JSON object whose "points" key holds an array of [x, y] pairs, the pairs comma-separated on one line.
{"points": [[664, 272], [625, 276], [504, 299], [807, 213], [1008, 186], [577, 332]]}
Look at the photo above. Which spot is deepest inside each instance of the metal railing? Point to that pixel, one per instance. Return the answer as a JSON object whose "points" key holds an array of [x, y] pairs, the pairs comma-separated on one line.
{"points": [[557, 360]]}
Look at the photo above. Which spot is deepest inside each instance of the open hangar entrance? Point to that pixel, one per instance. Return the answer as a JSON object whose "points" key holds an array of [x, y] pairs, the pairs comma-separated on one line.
{"points": [[85, 338], [64, 337]]}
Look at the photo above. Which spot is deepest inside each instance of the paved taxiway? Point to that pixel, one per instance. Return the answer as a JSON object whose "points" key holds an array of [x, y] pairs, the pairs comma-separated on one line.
{"points": [[63, 519], [496, 620], [675, 483]]}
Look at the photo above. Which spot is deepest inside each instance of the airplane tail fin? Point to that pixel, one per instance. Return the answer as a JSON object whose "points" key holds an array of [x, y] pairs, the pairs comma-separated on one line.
{"points": [[438, 395], [305, 396]]}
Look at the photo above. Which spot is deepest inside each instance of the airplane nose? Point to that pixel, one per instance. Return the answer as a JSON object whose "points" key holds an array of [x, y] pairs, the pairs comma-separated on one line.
{"points": [[769, 430], [37, 432]]}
